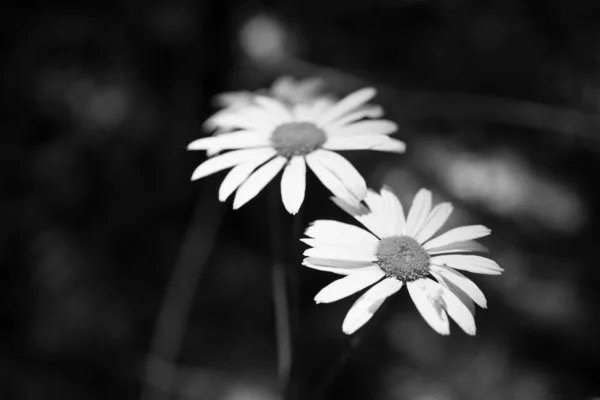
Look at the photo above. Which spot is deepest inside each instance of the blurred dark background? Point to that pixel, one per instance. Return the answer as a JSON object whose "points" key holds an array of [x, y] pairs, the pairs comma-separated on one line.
{"points": [[498, 101]]}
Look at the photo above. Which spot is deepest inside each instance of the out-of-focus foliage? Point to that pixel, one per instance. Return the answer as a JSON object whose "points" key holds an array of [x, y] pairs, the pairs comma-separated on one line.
{"points": [[100, 99]]}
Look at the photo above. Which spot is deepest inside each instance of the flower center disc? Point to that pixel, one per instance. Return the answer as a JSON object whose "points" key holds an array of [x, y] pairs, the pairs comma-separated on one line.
{"points": [[297, 138], [403, 257]]}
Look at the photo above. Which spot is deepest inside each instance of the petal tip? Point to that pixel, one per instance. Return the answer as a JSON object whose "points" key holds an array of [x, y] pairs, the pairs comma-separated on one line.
{"points": [[348, 331], [496, 271], [196, 176], [370, 90], [372, 192], [293, 210], [387, 188]]}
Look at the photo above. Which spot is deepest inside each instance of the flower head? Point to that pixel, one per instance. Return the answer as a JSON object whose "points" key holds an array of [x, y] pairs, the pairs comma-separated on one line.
{"points": [[397, 251], [270, 136]]}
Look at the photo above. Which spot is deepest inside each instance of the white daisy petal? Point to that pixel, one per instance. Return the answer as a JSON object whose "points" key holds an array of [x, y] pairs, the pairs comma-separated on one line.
{"points": [[241, 172], [380, 213], [301, 112], [235, 140], [214, 152], [419, 211], [459, 247], [251, 118], [375, 203], [327, 262], [380, 127], [471, 263], [370, 111], [227, 160], [363, 215], [457, 310], [347, 286], [366, 248], [438, 217], [335, 232], [347, 104], [275, 108], [364, 112], [213, 122], [464, 283], [342, 267], [257, 181], [367, 304], [241, 98], [262, 115], [293, 184], [357, 142], [344, 170], [340, 271], [339, 253], [324, 250], [467, 301], [391, 145], [395, 210], [331, 180], [318, 108], [460, 234], [430, 304]]}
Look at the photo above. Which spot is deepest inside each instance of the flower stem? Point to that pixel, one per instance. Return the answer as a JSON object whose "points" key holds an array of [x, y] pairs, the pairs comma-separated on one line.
{"points": [[279, 282], [160, 374], [282, 321], [295, 259]]}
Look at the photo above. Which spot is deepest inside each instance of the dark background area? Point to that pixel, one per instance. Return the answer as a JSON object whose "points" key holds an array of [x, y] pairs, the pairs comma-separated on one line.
{"points": [[498, 102]]}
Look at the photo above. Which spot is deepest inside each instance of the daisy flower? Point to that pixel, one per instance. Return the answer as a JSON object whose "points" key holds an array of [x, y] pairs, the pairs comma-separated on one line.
{"points": [[272, 136], [397, 251]]}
